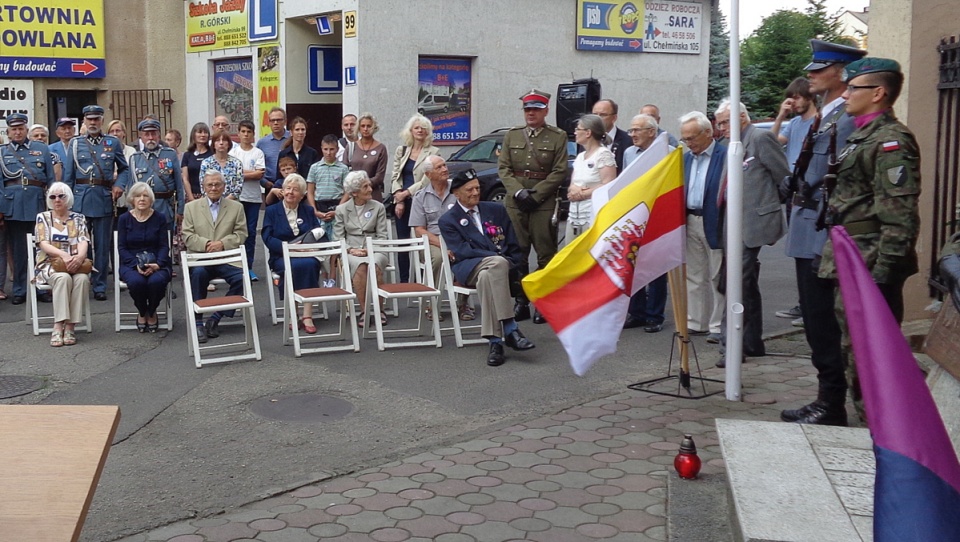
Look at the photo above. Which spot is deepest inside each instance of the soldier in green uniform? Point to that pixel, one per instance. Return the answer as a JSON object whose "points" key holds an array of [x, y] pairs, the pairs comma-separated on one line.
{"points": [[878, 186], [532, 166]]}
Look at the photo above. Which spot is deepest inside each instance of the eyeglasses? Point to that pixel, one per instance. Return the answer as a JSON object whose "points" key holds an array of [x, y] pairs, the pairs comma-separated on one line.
{"points": [[632, 131], [604, 115], [852, 88], [579, 129], [691, 138], [57, 196]]}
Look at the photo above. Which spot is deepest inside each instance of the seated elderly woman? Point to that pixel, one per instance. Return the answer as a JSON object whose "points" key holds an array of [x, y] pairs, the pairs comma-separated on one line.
{"points": [[358, 218], [62, 238], [142, 244], [284, 222]]}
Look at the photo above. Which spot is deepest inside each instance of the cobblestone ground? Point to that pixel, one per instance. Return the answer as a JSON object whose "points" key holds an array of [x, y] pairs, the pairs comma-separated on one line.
{"points": [[594, 472]]}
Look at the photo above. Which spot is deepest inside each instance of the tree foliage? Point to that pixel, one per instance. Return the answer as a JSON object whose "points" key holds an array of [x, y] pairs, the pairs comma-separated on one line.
{"points": [[718, 79]]}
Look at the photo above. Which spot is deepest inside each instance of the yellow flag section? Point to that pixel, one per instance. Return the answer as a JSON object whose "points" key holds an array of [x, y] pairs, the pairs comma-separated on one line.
{"points": [[636, 237]]}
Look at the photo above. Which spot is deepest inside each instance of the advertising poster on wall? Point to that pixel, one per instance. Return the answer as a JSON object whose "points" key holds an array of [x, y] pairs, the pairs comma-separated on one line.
{"points": [[444, 98], [52, 38], [216, 24], [639, 27], [233, 90], [268, 84]]}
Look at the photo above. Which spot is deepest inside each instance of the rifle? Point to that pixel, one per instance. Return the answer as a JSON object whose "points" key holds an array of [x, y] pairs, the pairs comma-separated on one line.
{"points": [[803, 159], [826, 213]]}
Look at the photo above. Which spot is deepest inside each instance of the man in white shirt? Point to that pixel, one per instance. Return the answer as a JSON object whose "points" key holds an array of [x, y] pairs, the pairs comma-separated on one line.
{"points": [[347, 143], [607, 111], [251, 195]]}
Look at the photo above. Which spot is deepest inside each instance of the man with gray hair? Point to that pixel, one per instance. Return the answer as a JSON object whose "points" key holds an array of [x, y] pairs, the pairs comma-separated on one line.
{"points": [[654, 111], [704, 164], [647, 305], [763, 223]]}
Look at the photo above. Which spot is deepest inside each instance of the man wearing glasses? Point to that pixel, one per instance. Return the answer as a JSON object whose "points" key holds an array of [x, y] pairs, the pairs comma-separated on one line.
{"points": [[607, 111], [805, 244], [704, 164], [272, 143], [878, 187], [648, 304], [26, 169]]}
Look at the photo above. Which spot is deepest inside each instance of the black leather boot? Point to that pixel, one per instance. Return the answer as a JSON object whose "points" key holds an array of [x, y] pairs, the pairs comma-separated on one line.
{"points": [[828, 409]]}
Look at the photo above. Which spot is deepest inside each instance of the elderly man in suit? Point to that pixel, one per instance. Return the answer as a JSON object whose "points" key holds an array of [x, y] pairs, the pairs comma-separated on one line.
{"points": [[485, 252], [214, 223], [764, 166], [704, 165]]}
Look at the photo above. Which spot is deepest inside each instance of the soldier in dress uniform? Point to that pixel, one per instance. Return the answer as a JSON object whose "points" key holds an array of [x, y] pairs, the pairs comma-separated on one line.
{"points": [[805, 242], [27, 170], [532, 166], [158, 166], [877, 193], [89, 170]]}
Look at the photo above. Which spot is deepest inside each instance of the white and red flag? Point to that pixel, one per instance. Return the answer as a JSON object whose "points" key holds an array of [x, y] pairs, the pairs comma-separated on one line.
{"points": [[636, 236]]}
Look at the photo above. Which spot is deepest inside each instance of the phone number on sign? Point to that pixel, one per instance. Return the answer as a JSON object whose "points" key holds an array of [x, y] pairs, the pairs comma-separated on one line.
{"points": [[451, 136]]}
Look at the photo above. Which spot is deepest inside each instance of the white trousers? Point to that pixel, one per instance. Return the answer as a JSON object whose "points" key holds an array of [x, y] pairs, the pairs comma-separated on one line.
{"points": [[69, 296], [704, 302]]}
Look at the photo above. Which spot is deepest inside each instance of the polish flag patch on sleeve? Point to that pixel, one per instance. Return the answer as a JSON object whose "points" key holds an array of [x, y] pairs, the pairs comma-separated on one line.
{"points": [[891, 146]]}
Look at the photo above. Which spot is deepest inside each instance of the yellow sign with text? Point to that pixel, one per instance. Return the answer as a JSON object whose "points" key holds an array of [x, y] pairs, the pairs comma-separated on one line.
{"points": [[47, 38], [349, 24], [216, 24], [268, 84]]}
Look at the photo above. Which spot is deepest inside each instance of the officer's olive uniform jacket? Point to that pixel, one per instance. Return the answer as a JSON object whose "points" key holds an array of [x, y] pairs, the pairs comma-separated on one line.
{"points": [[87, 161], [546, 153], [878, 186], [32, 163]]}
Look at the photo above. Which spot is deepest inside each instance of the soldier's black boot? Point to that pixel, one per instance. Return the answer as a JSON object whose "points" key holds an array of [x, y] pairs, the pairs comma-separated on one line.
{"points": [[828, 409]]}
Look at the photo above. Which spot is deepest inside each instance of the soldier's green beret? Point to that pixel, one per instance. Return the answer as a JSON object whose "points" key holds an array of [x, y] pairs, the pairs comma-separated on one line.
{"points": [[870, 65]]}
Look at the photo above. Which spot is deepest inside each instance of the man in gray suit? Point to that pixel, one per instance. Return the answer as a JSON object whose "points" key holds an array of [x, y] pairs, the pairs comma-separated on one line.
{"points": [[213, 223], [764, 166]]}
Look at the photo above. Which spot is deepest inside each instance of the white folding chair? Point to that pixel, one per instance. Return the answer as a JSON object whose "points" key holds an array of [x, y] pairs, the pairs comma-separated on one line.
{"points": [[453, 289], [121, 320], [390, 273], [345, 296], [243, 303], [32, 316], [276, 311], [422, 287]]}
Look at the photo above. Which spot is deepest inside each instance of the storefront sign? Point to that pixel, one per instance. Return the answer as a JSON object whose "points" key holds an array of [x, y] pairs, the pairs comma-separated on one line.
{"points": [[638, 27], [216, 24], [268, 83], [233, 90], [444, 98], [51, 38], [16, 96]]}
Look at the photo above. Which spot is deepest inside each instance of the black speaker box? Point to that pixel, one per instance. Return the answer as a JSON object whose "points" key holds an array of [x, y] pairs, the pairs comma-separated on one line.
{"points": [[575, 99]]}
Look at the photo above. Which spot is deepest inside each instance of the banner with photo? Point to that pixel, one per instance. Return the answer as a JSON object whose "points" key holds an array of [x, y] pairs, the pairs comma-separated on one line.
{"points": [[639, 27], [268, 84], [444, 98], [233, 90]]}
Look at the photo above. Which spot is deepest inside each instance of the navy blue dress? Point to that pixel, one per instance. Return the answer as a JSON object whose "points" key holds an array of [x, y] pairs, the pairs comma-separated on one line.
{"points": [[276, 230], [134, 237]]}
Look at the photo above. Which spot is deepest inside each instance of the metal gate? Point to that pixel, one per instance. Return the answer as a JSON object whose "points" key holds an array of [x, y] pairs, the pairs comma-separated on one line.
{"points": [[131, 106], [947, 159]]}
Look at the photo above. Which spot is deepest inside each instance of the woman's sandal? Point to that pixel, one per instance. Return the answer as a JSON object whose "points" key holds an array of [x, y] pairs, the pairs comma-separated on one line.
{"points": [[69, 337], [361, 318], [141, 326], [56, 338], [309, 328]]}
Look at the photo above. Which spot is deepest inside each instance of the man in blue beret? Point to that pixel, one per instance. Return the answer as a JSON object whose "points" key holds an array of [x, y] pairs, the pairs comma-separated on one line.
{"points": [[878, 188], [27, 170], [804, 242], [158, 166], [89, 169]]}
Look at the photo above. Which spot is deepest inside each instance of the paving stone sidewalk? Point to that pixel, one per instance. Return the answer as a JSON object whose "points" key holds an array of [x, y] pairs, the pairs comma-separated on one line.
{"points": [[597, 471]]}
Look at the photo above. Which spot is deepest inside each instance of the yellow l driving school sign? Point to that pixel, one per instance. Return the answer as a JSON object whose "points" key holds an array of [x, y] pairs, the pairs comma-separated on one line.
{"points": [[216, 24], [52, 38]]}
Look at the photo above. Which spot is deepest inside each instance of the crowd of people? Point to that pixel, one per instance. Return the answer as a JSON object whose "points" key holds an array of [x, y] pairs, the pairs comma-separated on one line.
{"points": [[209, 199]]}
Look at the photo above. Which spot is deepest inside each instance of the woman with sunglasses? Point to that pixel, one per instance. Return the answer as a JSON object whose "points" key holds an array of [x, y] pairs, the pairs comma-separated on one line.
{"points": [[61, 234]]}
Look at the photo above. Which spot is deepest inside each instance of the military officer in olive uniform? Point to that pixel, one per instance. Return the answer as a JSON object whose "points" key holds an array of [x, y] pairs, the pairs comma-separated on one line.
{"points": [[158, 166], [532, 166], [27, 170], [805, 242], [89, 170], [878, 187]]}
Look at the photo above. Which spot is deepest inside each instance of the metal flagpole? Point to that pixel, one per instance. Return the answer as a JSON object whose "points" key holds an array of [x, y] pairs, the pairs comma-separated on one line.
{"points": [[734, 214]]}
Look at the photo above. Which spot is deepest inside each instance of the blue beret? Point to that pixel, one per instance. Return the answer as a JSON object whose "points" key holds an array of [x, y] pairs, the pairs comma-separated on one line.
{"points": [[826, 54], [93, 111], [148, 124], [16, 119]]}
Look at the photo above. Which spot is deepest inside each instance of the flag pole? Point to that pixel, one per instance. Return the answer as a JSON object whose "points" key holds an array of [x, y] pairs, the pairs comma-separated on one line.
{"points": [[734, 199], [677, 278]]}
